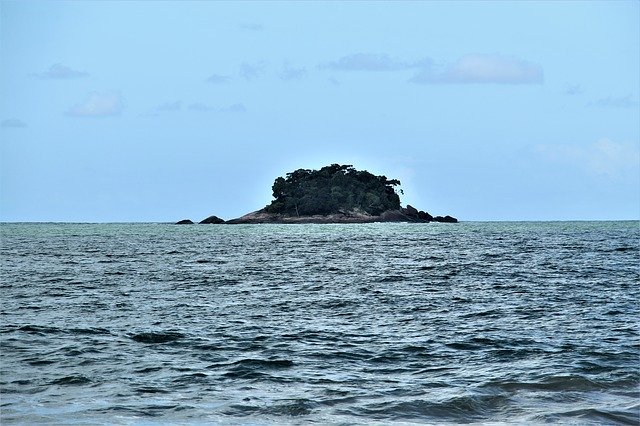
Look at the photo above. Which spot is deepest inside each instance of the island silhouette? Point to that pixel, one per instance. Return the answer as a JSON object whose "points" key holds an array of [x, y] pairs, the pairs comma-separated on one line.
{"points": [[333, 194]]}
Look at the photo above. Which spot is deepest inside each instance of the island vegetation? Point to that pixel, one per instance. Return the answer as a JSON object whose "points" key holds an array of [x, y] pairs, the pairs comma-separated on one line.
{"points": [[333, 189], [333, 194]]}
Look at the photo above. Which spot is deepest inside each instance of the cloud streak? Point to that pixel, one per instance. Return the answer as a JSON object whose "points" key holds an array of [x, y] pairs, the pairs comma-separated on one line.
{"points": [[169, 106], [234, 108], [371, 62], [573, 89], [615, 102], [469, 69], [483, 69], [61, 72], [251, 71], [218, 79], [202, 107], [13, 123], [98, 104], [289, 73], [251, 26]]}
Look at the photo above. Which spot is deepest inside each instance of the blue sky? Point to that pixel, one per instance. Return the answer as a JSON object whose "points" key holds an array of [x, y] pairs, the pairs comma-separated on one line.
{"points": [[159, 111]]}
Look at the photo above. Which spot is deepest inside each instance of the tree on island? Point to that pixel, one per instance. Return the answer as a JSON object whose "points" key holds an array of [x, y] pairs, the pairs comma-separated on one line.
{"points": [[333, 189]]}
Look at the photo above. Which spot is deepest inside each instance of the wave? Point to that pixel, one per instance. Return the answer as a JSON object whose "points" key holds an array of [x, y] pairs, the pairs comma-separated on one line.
{"points": [[564, 383], [157, 337], [465, 408], [44, 330], [71, 380], [631, 417], [289, 408]]}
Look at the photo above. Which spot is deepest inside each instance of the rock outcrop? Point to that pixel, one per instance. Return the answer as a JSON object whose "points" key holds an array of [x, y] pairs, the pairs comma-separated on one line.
{"points": [[409, 214], [445, 219], [215, 220], [416, 215]]}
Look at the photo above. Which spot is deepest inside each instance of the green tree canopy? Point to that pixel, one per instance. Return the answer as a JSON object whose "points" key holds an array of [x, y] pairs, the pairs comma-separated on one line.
{"points": [[333, 189]]}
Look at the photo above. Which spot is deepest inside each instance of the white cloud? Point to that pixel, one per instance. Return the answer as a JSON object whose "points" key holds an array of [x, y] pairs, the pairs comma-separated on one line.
{"points": [[169, 106], [13, 123], [616, 102], [202, 107], [606, 158], [251, 26], [249, 71], [371, 62], [234, 108], [217, 79], [288, 73], [61, 72], [573, 89], [98, 104], [483, 69], [476, 68]]}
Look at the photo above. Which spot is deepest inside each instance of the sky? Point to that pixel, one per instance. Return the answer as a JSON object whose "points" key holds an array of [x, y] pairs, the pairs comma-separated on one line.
{"points": [[160, 111]]}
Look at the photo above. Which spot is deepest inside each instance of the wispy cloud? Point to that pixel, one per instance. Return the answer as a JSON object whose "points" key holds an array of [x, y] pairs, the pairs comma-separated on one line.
{"points": [[60, 72], [605, 158], [202, 107], [250, 26], [371, 62], [289, 73], [250, 71], [615, 102], [476, 68], [169, 106], [13, 123], [218, 79], [98, 104], [234, 108], [334, 81], [483, 69], [573, 89]]}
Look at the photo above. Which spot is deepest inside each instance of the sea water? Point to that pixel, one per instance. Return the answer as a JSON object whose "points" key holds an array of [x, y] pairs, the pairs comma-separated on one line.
{"points": [[295, 324]]}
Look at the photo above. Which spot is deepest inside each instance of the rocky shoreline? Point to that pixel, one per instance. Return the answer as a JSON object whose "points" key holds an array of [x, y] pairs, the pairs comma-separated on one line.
{"points": [[408, 214]]}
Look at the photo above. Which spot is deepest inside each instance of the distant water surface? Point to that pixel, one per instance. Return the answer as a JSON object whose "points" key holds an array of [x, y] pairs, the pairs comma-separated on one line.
{"points": [[367, 323]]}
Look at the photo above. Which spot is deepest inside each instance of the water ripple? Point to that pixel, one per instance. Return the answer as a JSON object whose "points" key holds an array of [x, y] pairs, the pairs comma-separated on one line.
{"points": [[375, 323]]}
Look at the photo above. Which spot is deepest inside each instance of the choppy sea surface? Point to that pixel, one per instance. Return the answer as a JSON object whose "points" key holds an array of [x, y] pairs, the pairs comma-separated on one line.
{"points": [[327, 324]]}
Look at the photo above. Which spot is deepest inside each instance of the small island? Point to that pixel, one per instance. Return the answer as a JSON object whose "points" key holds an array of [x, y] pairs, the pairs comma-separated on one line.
{"points": [[333, 194]]}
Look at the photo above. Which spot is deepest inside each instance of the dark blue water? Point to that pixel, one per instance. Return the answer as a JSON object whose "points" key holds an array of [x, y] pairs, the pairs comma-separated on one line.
{"points": [[272, 324]]}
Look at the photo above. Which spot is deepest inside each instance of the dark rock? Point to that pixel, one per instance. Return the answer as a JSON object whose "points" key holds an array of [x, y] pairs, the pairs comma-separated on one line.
{"points": [[394, 216], [414, 215], [212, 220], [446, 219], [184, 222], [411, 211], [262, 216], [424, 216]]}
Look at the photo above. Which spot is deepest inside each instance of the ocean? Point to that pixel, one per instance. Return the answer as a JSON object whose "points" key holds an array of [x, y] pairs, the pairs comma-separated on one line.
{"points": [[492, 323]]}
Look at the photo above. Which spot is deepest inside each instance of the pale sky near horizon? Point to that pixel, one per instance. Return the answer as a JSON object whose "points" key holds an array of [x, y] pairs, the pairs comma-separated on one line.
{"points": [[160, 111]]}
